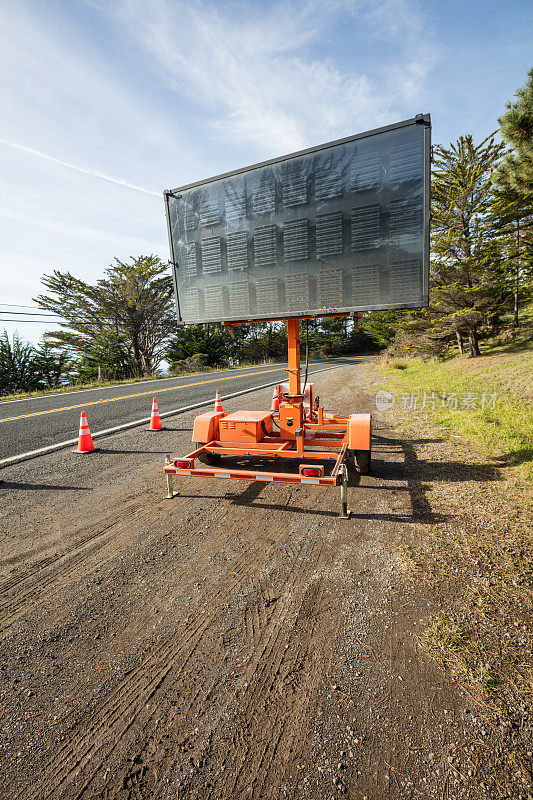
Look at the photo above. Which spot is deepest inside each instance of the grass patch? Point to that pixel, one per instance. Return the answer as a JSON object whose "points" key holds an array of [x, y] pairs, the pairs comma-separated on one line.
{"points": [[488, 400], [457, 648], [483, 635]]}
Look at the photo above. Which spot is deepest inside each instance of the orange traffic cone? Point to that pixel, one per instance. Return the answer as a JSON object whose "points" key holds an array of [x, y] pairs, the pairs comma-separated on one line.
{"points": [[85, 441], [275, 399], [155, 419], [218, 402]]}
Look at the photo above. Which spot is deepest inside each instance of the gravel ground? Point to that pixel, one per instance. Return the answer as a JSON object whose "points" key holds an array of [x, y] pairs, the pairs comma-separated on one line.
{"points": [[238, 641]]}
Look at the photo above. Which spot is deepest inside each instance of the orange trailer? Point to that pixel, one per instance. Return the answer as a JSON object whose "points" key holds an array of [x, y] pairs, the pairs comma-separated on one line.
{"points": [[320, 445]]}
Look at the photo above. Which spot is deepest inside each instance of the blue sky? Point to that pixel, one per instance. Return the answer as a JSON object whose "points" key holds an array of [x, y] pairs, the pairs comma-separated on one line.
{"points": [[105, 103]]}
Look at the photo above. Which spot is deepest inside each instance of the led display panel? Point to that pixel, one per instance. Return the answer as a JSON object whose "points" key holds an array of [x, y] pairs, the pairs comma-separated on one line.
{"points": [[337, 228]]}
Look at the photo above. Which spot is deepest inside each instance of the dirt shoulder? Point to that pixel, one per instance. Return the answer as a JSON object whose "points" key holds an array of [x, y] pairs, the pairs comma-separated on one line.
{"points": [[240, 640]]}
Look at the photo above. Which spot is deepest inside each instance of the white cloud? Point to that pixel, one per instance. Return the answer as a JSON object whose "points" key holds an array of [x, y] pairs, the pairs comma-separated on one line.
{"points": [[82, 157], [67, 95], [263, 73], [92, 172]]}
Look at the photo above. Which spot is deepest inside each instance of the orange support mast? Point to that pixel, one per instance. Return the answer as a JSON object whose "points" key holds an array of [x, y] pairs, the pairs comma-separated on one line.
{"points": [[293, 337]]}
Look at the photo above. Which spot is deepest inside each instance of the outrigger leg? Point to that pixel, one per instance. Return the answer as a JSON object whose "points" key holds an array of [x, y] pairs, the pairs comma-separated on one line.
{"points": [[345, 511], [170, 488]]}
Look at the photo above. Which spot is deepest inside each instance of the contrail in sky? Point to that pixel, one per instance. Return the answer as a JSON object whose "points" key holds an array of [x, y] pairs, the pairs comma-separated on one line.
{"points": [[94, 173]]}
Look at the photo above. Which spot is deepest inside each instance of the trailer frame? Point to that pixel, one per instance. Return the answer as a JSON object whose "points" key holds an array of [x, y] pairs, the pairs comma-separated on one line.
{"points": [[306, 433]]}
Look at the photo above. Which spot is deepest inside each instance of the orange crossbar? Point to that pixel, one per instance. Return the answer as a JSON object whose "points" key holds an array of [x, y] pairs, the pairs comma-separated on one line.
{"points": [[250, 475], [258, 475], [237, 323]]}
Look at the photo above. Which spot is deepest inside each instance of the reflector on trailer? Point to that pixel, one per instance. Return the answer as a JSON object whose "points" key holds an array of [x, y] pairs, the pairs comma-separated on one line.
{"points": [[316, 471], [183, 464]]}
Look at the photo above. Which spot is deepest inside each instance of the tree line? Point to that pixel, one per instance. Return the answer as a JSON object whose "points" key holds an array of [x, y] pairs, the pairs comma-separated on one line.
{"points": [[481, 238], [124, 325]]}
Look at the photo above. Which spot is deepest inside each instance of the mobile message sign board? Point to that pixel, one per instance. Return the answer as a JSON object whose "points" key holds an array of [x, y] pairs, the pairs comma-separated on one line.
{"points": [[338, 228]]}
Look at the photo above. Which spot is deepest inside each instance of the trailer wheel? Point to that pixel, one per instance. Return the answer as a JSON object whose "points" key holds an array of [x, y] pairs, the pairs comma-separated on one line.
{"points": [[363, 460], [211, 459], [350, 462]]}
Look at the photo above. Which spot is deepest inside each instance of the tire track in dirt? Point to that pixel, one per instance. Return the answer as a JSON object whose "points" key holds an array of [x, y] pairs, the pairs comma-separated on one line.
{"points": [[54, 574], [285, 654], [178, 723], [127, 703], [289, 666], [79, 537], [190, 711], [88, 549]]}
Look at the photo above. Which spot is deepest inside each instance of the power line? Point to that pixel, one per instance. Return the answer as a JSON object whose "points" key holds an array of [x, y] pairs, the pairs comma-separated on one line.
{"points": [[17, 305], [41, 321], [29, 313], [61, 262], [33, 255]]}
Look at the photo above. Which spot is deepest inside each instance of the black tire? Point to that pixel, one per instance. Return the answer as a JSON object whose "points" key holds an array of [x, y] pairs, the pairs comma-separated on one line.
{"points": [[350, 462], [363, 460], [211, 459]]}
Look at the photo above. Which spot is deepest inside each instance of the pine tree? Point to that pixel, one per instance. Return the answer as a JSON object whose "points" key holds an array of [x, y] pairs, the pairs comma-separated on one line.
{"points": [[466, 271], [516, 127], [17, 365], [514, 180], [108, 358], [53, 365], [513, 219], [381, 325], [212, 342], [135, 300]]}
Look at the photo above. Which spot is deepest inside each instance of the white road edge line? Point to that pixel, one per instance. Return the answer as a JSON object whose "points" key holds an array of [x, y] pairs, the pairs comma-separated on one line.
{"points": [[60, 445]]}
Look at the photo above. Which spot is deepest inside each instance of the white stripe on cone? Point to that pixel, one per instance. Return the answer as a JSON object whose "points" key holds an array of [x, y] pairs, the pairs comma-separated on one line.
{"points": [[218, 402]]}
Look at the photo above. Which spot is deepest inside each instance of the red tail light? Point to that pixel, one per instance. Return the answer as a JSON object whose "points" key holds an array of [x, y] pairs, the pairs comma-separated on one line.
{"points": [[312, 472], [183, 464]]}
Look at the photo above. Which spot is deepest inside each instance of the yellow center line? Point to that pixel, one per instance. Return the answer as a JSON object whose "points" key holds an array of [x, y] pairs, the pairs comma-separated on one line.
{"points": [[138, 394]]}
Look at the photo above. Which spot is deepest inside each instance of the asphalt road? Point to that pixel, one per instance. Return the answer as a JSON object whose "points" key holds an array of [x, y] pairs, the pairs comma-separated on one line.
{"points": [[33, 423]]}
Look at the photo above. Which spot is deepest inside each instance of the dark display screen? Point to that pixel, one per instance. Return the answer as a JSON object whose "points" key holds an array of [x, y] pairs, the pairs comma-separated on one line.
{"points": [[341, 227]]}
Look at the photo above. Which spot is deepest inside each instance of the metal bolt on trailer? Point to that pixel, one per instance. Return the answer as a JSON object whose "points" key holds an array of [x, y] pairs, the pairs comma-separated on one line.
{"points": [[328, 232]]}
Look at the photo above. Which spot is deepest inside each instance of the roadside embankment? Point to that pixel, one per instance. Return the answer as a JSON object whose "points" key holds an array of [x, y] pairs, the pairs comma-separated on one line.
{"points": [[472, 422]]}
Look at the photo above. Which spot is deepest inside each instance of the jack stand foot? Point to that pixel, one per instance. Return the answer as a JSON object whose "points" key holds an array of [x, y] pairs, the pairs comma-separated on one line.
{"points": [[345, 511], [170, 492]]}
